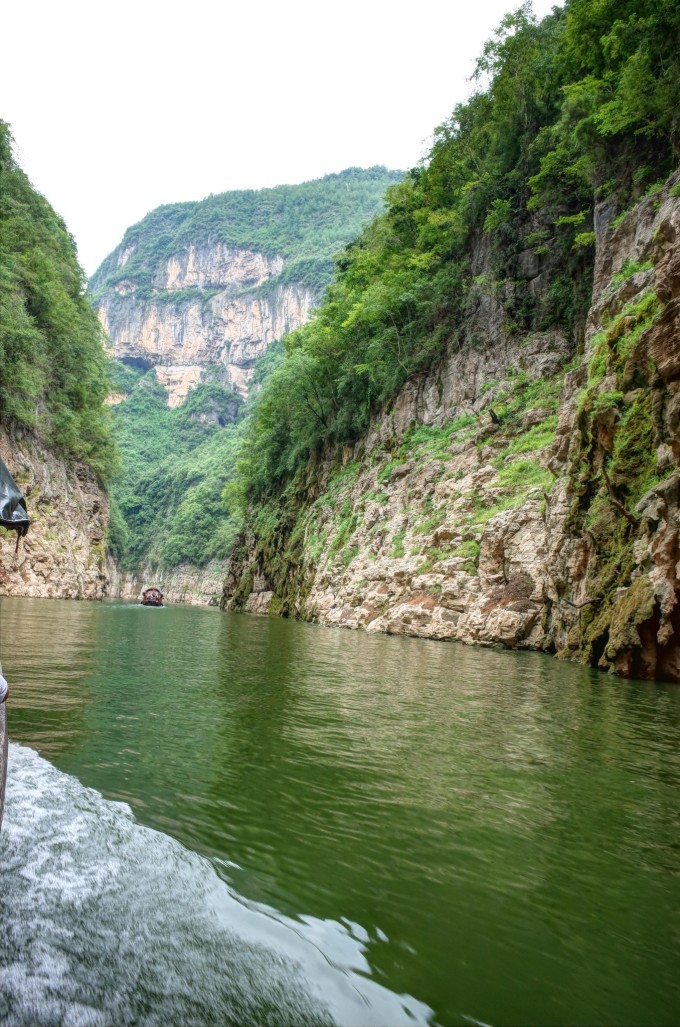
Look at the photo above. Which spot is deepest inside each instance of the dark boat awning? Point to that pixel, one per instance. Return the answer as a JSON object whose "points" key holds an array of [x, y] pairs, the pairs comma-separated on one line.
{"points": [[13, 512]]}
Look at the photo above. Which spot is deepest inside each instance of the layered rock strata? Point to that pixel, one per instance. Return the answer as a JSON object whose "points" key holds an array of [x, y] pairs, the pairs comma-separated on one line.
{"points": [[186, 583], [64, 554], [217, 307], [557, 528]]}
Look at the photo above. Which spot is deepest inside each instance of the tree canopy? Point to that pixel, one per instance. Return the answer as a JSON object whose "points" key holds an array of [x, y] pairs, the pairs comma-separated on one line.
{"points": [[167, 505], [166, 501], [52, 363], [580, 106], [306, 224]]}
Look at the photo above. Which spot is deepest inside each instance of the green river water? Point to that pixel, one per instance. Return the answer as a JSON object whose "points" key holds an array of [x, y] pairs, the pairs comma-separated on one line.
{"points": [[344, 827]]}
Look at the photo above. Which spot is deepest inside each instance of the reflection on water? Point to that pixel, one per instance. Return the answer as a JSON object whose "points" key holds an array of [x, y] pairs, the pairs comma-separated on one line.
{"points": [[64, 644], [500, 830]]}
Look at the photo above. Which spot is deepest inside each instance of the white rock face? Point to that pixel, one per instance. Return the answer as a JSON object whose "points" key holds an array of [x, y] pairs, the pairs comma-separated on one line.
{"points": [[179, 381], [124, 256], [186, 583], [218, 267], [230, 326]]}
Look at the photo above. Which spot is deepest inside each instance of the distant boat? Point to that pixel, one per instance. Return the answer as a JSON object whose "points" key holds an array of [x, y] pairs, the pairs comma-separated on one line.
{"points": [[152, 597]]}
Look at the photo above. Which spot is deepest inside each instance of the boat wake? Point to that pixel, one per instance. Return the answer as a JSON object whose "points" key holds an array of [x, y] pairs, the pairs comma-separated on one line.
{"points": [[105, 921]]}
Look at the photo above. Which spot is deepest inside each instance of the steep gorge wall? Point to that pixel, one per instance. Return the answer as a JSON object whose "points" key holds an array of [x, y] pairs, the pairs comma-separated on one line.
{"points": [[212, 312], [614, 514], [63, 555], [186, 583], [217, 307], [557, 529]]}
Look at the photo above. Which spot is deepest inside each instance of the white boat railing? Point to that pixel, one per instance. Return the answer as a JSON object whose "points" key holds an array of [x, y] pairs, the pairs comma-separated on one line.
{"points": [[3, 755]]}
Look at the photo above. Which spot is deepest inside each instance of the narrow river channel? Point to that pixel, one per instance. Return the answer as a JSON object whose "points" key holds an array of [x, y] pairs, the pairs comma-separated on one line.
{"points": [[222, 819]]}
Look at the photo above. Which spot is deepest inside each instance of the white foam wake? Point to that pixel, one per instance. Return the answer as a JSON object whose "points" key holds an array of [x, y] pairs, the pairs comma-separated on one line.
{"points": [[103, 921]]}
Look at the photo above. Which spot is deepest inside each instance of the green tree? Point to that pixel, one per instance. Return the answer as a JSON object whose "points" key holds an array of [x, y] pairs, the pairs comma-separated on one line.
{"points": [[52, 364]]}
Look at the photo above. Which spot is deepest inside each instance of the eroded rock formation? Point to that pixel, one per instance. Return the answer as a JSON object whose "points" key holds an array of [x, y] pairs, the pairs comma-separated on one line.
{"points": [[209, 307], [558, 529]]}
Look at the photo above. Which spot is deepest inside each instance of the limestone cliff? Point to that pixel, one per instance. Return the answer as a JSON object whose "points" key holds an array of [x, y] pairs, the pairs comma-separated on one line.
{"points": [[209, 307], [212, 312], [63, 555], [553, 527], [186, 583]]}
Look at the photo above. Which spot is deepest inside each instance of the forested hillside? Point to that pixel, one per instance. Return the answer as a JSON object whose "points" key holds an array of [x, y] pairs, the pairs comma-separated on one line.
{"points": [[581, 106], [52, 364], [166, 502], [305, 224], [264, 258], [55, 431], [476, 437]]}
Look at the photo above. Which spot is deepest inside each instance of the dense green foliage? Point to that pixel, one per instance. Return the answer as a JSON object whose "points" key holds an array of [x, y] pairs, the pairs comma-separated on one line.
{"points": [[581, 106], [306, 224], [166, 503], [52, 364]]}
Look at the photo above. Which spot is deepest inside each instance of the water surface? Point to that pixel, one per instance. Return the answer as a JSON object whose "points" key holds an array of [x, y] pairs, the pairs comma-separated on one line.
{"points": [[361, 828]]}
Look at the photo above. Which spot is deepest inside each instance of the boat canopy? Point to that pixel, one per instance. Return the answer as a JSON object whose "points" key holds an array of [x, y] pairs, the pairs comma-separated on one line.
{"points": [[13, 512], [152, 596]]}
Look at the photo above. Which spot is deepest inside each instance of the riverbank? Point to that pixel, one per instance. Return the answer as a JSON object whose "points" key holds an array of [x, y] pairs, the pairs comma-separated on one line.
{"points": [[519, 493]]}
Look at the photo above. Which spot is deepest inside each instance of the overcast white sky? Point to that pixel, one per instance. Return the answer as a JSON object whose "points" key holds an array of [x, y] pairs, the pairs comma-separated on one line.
{"points": [[118, 107]]}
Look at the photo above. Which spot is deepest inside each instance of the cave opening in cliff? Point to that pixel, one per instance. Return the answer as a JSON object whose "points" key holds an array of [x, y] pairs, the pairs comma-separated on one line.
{"points": [[598, 647], [139, 363], [646, 658]]}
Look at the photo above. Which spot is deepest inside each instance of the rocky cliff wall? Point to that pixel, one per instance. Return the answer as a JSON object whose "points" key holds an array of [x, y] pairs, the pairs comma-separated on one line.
{"points": [[186, 583], [63, 555], [614, 514], [557, 528], [217, 307]]}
